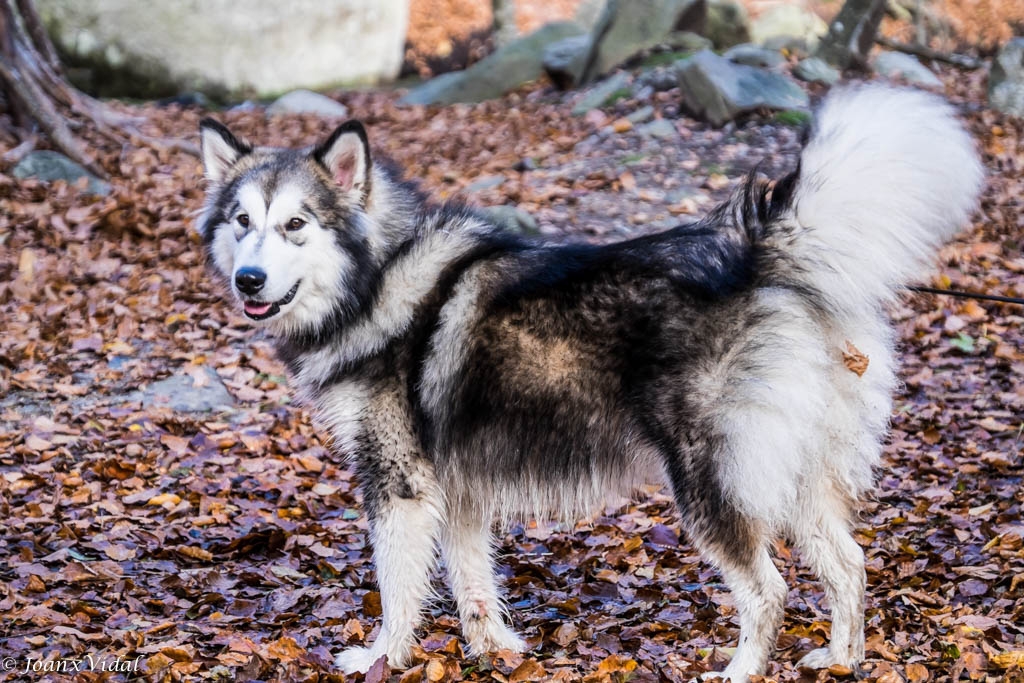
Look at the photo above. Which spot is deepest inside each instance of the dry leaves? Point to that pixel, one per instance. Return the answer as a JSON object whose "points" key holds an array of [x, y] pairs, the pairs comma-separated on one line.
{"points": [[232, 546]]}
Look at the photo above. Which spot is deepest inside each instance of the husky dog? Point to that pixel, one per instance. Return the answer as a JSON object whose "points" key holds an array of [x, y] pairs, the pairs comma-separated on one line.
{"points": [[472, 376]]}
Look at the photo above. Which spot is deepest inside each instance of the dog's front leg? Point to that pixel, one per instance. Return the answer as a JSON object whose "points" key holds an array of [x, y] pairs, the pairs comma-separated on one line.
{"points": [[404, 520]]}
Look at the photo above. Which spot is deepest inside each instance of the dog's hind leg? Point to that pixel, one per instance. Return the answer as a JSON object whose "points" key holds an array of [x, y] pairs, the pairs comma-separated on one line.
{"points": [[403, 530], [760, 596], [822, 533], [738, 546], [467, 547]]}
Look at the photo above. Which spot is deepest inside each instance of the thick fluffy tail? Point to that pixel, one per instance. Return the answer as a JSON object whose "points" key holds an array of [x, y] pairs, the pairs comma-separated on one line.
{"points": [[887, 176]]}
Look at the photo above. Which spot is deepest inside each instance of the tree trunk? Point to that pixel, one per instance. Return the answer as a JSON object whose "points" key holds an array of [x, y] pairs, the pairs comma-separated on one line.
{"points": [[852, 34], [505, 28], [37, 94]]}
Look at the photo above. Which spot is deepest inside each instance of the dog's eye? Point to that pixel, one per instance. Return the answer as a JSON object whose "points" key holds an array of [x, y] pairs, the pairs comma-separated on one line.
{"points": [[243, 220], [295, 223]]}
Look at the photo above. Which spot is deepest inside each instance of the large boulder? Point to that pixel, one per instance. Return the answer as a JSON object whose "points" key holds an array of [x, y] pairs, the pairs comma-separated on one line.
{"points": [[1006, 79], [503, 70], [628, 27], [222, 47], [716, 90], [727, 23], [565, 60], [788, 26]]}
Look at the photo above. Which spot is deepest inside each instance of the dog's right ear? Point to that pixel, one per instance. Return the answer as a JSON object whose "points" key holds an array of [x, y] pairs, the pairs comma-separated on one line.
{"points": [[221, 149]]}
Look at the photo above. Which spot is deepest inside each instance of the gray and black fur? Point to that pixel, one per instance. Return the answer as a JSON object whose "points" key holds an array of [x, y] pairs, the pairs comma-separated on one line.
{"points": [[472, 375]]}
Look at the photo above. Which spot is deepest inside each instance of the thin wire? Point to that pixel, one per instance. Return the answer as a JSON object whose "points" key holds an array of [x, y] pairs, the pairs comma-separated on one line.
{"points": [[970, 295]]}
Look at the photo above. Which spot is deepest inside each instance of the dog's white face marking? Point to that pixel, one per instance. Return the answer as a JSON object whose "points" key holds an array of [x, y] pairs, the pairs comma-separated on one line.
{"points": [[305, 268]]}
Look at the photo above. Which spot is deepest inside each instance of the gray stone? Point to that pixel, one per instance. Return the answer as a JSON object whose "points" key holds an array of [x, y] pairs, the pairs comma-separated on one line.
{"points": [[307, 102], [640, 115], [564, 60], [487, 182], [785, 24], [503, 70], [222, 46], [727, 23], [896, 65], [629, 27], [661, 129], [589, 12], [599, 94], [660, 78], [511, 218], [752, 55], [49, 166], [815, 70], [1006, 79], [715, 89], [688, 41], [179, 393]]}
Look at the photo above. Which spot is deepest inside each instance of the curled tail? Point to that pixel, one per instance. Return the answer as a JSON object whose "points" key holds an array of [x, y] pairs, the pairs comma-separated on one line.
{"points": [[886, 177]]}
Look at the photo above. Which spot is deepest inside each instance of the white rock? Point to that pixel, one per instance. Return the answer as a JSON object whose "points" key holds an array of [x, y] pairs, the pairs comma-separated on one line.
{"points": [[256, 46], [307, 102]]}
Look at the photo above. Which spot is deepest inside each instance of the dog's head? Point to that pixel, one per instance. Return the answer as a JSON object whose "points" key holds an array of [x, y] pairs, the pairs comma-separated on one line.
{"points": [[288, 229]]}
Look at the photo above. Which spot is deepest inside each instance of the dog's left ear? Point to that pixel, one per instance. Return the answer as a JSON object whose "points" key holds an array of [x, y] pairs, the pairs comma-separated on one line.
{"points": [[346, 156]]}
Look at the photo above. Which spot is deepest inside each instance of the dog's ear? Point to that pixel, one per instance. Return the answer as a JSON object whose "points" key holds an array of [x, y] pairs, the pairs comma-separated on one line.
{"points": [[346, 156], [221, 149]]}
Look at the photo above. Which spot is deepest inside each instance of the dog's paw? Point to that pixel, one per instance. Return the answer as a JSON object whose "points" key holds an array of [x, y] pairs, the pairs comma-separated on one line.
{"points": [[721, 676], [357, 659], [823, 658], [496, 636]]}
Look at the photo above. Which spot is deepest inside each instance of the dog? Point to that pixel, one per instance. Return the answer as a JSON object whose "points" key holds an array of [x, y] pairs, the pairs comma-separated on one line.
{"points": [[472, 376]]}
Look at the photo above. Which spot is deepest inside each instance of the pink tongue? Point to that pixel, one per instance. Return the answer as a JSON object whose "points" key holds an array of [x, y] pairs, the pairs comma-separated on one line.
{"points": [[257, 309]]}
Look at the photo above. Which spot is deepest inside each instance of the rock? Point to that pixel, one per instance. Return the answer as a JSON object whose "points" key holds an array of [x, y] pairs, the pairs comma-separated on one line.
{"points": [[727, 23], [752, 55], [660, 78], [186, 99], [179, 392], [1006, 79], [715, 89], [589, 12], [640, 115], [564, 60], [658, 128], [688, 41], [815, 70], [629, 27], [784, 25], [484, 183], [896, 65], [158, 49], [600, 93], [49, 166], [511, 218], [307, 102], [503, 70]]}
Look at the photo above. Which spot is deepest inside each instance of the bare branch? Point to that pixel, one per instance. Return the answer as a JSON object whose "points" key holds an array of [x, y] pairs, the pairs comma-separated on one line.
{"points": [[925, 52]]}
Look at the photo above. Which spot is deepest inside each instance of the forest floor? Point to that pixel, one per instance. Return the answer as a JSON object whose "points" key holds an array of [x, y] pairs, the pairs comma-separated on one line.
{"points": [[232, 546]]}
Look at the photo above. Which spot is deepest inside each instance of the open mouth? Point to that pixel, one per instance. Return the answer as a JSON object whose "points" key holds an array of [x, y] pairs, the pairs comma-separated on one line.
{"points": [[261, 310]]}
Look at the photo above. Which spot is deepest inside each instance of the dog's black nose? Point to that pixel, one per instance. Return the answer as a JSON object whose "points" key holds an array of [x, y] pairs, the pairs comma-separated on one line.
{"points": [[250, 280]]}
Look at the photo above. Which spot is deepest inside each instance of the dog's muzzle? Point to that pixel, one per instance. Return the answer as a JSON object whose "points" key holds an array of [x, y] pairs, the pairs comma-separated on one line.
{"points": [[261, 310]]}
